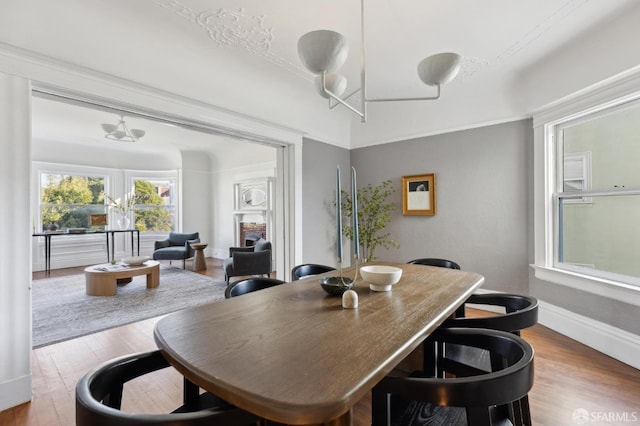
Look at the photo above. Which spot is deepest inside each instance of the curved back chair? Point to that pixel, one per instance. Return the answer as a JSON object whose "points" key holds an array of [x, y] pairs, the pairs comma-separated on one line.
{"points": [[430, 261], [251, 284], [520, 312], [483, 398], [99, 397], [308, 269]]}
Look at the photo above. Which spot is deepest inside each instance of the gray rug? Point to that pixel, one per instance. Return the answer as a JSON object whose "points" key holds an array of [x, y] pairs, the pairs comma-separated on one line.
{"points": [[62, 310]]}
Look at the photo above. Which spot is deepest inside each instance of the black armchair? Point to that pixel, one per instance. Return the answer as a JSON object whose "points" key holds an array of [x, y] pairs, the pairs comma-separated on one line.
{"points": [[254, 260], [176, 247]]}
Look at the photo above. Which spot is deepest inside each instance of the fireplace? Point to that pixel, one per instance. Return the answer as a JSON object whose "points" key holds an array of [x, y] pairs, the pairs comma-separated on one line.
{"points": [[250, 232]]}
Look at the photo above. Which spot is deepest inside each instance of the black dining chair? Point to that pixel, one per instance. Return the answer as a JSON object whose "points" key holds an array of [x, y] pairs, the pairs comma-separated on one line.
{"points": [[250, 284], [99, 398], [520, 312], [431, 261], [307, 269], [462, 397]]}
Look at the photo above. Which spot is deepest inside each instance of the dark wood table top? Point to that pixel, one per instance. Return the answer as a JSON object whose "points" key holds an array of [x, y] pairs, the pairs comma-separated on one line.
{"points": [[292, 354]]}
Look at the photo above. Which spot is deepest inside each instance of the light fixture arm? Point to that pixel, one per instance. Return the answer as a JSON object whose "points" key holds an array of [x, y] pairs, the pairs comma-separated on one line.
{"points": [[333, 105], [338, 99]]}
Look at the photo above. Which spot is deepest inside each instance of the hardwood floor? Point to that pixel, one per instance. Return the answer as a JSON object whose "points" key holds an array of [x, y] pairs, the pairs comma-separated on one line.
{"points": [[569, 376]]}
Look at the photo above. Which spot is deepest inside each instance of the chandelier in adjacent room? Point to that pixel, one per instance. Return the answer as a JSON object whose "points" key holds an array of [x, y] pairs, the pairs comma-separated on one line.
{"points": [[120, 132]]}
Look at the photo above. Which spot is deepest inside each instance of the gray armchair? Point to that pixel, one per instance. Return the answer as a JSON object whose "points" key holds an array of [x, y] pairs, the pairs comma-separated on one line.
{"points": [[176, 247], [254, 260]]}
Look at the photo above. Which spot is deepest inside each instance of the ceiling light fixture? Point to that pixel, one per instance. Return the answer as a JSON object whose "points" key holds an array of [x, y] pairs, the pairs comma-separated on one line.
{"points": [[324, 51], [120, 132]]}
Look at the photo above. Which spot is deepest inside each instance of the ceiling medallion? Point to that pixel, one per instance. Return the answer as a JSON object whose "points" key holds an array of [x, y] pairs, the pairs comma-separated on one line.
{"points": [[226, 27]]}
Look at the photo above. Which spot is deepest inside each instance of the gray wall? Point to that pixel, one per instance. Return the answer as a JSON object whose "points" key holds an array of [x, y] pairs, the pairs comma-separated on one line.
{"points": [[319, 162], [482, 184]]}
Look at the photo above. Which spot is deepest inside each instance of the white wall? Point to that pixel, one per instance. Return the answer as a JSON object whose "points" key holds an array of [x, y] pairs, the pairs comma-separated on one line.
{"points": [[197, 195], [15, 257], [223, 202]]}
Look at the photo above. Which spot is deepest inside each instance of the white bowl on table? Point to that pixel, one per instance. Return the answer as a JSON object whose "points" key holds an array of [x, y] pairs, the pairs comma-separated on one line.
{"points": [[380, 277], [135, 260]]}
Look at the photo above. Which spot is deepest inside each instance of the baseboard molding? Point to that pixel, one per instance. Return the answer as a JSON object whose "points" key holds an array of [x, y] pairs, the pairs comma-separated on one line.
{"points": [[609, 340], [612, 341], [15, 392]]}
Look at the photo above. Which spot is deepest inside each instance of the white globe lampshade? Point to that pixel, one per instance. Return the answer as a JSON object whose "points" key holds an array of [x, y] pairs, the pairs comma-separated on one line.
{"points": [[335, 83], [322, 50], [439, 69]]}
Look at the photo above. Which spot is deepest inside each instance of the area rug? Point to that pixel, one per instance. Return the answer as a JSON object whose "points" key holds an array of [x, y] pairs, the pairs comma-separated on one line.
{"points": [[62, 310]]}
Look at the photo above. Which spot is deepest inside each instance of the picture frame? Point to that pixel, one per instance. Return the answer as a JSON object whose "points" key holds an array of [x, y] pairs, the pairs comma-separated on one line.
{"points": [[419, 195], [97, 220]]}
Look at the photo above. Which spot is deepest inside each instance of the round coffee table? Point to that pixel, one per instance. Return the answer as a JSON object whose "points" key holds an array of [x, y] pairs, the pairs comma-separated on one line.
{"points": [[102, 280]]}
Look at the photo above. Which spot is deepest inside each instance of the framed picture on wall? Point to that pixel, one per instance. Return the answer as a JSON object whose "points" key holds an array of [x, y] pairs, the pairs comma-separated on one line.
{"points": [[419, 195]]}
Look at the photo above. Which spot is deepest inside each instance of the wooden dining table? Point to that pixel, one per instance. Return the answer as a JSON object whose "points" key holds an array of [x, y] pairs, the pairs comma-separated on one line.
{"points": [[292, 354]]}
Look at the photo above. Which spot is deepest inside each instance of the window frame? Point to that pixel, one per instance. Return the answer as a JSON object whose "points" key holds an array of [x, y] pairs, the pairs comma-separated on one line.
{"points": [[40, 168], [560, 196], [606, 95], [130, 176]]}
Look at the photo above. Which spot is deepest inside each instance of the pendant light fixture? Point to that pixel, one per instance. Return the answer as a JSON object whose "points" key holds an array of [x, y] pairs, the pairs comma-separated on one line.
{"points": [[323, 52], [120, 132]]}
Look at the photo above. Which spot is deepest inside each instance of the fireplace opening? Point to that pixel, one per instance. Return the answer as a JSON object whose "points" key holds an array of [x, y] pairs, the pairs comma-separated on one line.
{"points": [[250, 232]]}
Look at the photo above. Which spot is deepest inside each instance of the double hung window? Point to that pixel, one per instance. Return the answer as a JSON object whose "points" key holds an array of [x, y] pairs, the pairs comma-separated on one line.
{"points": [[155, 206], [597, 194], [68, 198]]}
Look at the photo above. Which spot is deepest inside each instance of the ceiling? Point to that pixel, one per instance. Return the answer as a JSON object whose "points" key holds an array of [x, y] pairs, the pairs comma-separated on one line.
{"points": [[242, 55], [80, 124]]}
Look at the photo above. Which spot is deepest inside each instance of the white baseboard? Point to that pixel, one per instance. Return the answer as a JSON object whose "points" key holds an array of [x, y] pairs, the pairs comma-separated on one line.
{"points": [[15, 392], [612, 341]]}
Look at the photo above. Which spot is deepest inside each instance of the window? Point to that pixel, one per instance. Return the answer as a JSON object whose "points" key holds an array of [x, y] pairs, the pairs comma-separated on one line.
{"points": [[597, 194], [155, 207], [67, 200]]}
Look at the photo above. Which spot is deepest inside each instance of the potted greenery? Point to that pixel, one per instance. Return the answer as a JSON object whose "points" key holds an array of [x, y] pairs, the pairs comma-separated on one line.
{"points": [[374, 214]]}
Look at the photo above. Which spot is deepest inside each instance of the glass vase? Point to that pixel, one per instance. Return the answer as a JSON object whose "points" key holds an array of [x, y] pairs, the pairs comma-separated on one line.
{"points": [[124, 222]]}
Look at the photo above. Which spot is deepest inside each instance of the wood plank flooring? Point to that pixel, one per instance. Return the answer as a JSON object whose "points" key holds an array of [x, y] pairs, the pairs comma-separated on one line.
{"points": [[569, 376]]}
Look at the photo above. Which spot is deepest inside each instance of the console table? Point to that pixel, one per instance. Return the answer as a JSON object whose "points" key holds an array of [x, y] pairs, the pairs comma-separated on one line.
{"points": [[109, 233]]}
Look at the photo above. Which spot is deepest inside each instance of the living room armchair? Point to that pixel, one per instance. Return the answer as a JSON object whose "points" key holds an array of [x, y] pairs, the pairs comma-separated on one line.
{"points": [[176, 247], [254, 260]]}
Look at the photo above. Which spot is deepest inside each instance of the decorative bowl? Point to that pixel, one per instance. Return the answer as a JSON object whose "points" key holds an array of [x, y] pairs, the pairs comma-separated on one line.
{"points": [[380, 277], [135, 260], [335, 286]]}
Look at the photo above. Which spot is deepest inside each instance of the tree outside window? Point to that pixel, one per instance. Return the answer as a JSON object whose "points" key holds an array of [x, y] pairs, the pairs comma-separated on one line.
{"points": [[68, 200], [154, 207]]}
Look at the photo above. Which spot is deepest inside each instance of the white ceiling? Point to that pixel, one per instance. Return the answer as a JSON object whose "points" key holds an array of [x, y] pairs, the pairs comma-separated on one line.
{"points": [[76, 124], [241, 55]]}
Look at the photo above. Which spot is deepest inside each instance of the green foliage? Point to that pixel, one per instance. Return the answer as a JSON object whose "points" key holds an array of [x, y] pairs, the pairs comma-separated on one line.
{"points": [[68, 200], [374, 214], [149, 218]]}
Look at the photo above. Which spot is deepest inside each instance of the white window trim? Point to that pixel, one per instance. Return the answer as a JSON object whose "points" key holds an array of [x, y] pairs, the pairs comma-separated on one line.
{"points": [[615, 91]]}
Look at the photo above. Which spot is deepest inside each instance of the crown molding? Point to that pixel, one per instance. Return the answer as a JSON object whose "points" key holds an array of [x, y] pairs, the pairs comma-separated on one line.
{"points": [[61, 78]]}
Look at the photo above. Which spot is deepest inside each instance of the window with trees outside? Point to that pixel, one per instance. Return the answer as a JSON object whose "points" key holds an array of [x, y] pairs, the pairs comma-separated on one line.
{"points": [[597, 194], [67, 200], [155, 203], [68, 195]]}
